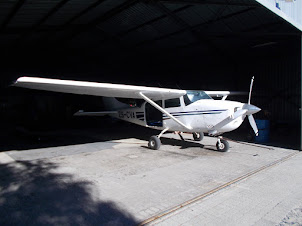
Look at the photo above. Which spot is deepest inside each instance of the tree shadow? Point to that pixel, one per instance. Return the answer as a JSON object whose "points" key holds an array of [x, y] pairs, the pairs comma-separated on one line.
{"points": [[33, 193]]}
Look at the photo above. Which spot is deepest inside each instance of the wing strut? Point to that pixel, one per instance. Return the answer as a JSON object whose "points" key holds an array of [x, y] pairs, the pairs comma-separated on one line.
{"points": [[163, 110], [226, 121]]}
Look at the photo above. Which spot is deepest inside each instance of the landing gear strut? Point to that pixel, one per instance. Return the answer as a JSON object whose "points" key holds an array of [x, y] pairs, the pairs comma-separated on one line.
{"points": [[198, 136], [222, 145]]}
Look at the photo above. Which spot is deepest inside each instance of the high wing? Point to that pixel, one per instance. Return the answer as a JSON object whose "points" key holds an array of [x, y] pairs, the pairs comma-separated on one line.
{"points": [[97, 89]]}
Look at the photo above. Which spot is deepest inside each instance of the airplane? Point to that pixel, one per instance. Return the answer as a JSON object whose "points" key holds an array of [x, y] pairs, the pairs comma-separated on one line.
{"points": [[174, 110]]}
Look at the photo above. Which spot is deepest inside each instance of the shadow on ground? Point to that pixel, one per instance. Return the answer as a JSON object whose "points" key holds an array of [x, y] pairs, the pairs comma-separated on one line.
{"points": [[84, 130], [33, 193], [81, 131], [283, 137]]}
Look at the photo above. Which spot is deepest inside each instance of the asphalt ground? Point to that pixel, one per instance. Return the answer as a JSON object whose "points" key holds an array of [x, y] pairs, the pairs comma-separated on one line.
{"points": [[112, 178]]}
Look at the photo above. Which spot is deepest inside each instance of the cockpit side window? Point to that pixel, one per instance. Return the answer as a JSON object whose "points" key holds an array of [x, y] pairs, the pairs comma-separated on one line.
{"points": [[171, 103], [193, 96]]}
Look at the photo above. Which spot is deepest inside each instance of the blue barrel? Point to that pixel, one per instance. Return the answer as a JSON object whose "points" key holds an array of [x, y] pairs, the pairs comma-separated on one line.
{"points": [[264, 131]]}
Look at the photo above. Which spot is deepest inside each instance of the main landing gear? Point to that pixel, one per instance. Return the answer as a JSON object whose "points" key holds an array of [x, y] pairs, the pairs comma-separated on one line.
{"points": [[155, 143], [198, 136]]}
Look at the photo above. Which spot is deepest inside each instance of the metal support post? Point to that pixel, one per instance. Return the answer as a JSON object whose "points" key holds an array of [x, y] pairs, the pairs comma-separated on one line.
{"points": [[301, 94]]}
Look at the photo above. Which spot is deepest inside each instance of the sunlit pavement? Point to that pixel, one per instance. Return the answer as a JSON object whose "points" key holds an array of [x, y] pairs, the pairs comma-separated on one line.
{"points": [[121, 181]]}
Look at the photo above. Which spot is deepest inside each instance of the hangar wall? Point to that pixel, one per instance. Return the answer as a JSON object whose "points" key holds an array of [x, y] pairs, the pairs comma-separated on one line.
{"points": [[277, 88], [277, 74]]}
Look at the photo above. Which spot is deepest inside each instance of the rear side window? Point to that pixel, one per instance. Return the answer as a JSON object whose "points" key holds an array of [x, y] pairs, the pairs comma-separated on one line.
{"points": [[172, 103]]}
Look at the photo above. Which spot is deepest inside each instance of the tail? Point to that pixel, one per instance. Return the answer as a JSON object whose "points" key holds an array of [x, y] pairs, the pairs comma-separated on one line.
{"points": [[112, 104]]}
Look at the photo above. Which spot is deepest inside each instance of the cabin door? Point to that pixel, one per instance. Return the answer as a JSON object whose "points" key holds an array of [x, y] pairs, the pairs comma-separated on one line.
{"points": [[153, 116]]}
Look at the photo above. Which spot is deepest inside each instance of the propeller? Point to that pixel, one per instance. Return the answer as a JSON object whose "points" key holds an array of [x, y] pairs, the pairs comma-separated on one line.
{"points": [[247, 110], [251, 109]]}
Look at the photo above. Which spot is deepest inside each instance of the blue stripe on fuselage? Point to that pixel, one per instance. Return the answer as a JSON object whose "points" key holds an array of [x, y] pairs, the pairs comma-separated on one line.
{"points": [[209, 112]]}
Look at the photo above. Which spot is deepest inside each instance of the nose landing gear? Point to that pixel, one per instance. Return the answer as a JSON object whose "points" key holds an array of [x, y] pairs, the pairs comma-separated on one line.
{"points": [[222, 145]]}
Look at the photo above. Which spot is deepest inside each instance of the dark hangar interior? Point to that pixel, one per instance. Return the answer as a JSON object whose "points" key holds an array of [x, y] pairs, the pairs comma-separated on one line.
{"points": [[187, 44]]}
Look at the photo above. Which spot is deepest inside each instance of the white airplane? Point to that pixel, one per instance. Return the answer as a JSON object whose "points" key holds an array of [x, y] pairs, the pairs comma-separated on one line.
{"points": [[162, 109]]}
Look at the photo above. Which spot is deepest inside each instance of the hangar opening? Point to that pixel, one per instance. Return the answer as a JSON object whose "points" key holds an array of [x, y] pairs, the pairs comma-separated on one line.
{"points": [[188, 44]]}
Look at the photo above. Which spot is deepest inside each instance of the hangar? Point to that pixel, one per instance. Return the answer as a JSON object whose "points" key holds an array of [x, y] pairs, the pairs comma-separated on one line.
{"points": [[192, 44]]}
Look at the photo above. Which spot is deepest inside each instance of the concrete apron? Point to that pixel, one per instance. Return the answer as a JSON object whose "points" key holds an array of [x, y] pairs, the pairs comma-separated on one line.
{"points": [[144, 183]]}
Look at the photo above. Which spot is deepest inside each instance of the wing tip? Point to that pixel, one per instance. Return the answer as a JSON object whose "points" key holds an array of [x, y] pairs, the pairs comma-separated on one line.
{"points": [[20, 79]]}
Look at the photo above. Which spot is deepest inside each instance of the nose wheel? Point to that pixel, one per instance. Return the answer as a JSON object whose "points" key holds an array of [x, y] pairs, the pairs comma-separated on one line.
{"points": [[222, 145]]}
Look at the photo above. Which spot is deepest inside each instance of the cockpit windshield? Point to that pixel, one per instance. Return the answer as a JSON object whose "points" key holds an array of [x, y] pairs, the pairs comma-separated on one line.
{"points": [[194, 95]]}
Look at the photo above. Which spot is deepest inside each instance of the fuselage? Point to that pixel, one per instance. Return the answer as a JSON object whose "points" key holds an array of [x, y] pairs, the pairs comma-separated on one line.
{"points": [[200, 115]]}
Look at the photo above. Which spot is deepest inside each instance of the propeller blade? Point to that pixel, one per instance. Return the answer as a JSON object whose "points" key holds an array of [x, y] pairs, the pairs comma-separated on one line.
{"points": [[251, 87], [253, 124]]}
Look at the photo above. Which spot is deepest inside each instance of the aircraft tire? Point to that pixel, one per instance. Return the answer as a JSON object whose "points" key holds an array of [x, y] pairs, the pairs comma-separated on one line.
{"points": [[223, 146], [198, 136], [154, 143]]}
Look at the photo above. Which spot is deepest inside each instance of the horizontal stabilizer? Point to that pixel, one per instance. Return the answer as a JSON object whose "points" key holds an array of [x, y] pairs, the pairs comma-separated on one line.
{"points": [[98, 113], [224, 94]]}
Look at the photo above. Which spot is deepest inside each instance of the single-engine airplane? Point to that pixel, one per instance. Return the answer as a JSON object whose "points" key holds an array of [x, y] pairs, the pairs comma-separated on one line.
{"points": [[162, 109]]}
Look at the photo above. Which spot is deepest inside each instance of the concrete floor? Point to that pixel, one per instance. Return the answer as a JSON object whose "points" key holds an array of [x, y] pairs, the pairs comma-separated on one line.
{"points": [[112, 178]]}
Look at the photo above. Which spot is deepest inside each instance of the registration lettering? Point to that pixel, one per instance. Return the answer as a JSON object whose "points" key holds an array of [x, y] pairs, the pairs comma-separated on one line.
{"points": [[126, 114]]}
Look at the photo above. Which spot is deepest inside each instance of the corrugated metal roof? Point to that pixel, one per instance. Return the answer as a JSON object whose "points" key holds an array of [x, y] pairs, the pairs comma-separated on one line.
{"points": [[67, 11], [138, 14], [134, 24], [5, 8], [31, 12], [100, 9]]}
